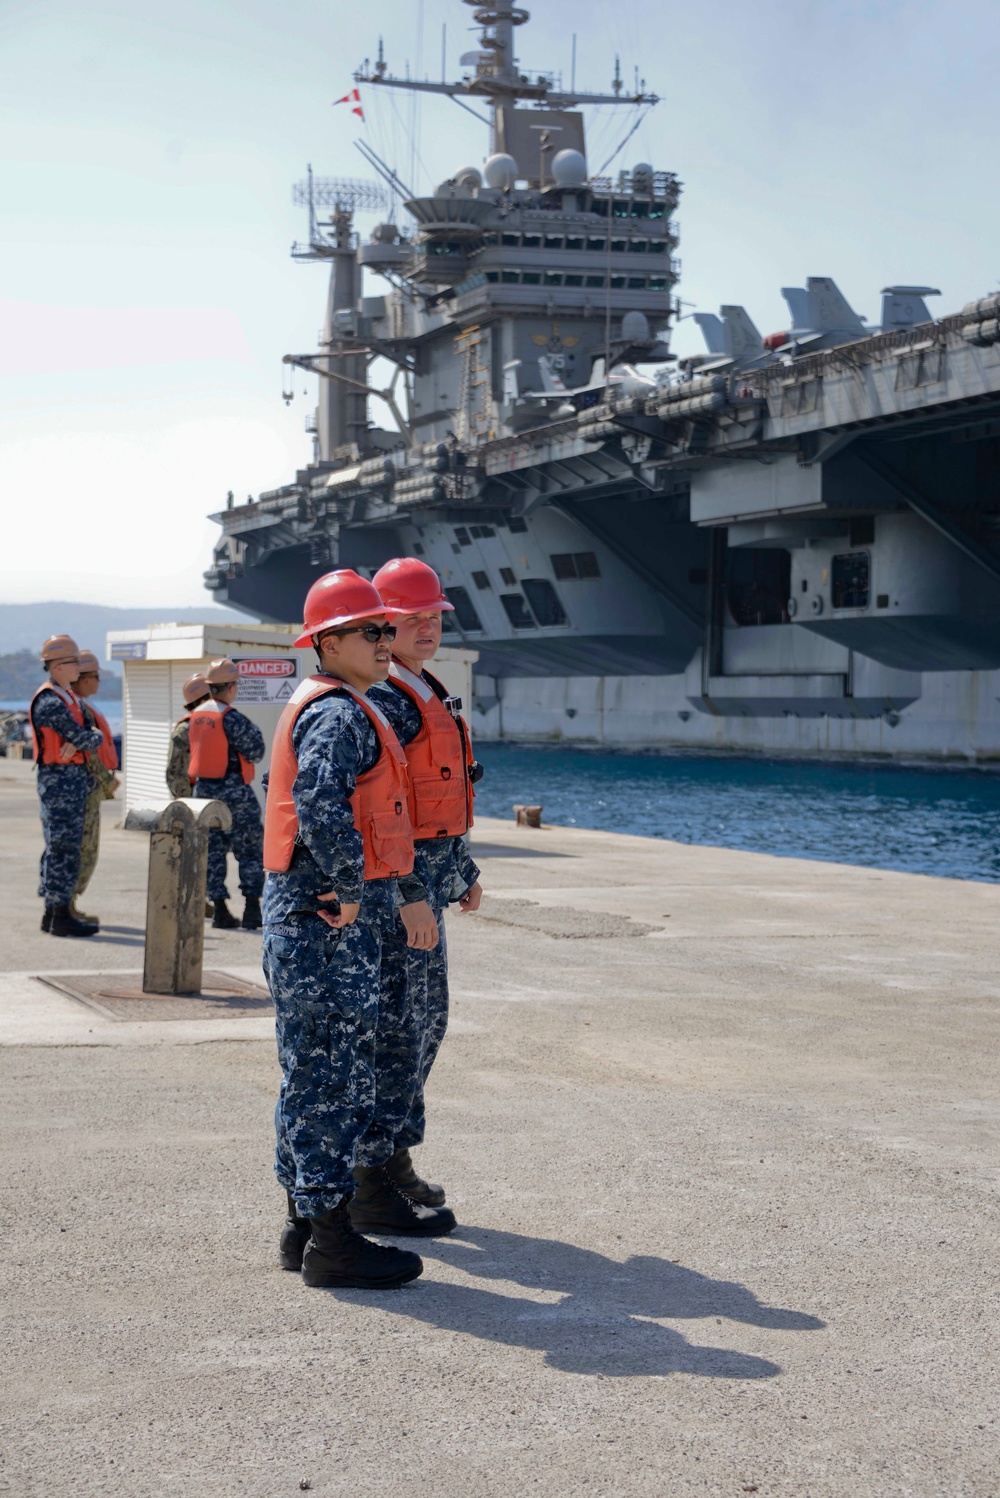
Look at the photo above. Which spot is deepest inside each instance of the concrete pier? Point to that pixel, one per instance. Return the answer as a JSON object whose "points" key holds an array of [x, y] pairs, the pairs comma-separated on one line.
{"points": [[721, 1131]]}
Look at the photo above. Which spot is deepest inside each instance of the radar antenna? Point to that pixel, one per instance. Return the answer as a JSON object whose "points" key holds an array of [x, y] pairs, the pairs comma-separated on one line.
{"points": [[346, 196], [496, 77]]}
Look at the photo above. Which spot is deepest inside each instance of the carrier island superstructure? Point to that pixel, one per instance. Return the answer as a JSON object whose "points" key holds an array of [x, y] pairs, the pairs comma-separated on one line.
{"points": [[786, 543]]}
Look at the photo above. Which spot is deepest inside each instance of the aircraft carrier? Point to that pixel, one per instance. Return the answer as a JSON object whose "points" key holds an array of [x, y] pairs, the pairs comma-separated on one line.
{"points": [[788, 543]]}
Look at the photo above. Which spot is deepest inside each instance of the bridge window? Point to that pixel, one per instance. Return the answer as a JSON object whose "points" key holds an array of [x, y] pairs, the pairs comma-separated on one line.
{"points": [[553, 278], [617, 283], [510, 240], [481, 580], [598, 244], [531, 241], [574, 564], [507, 576], [462, 536], [658, 247], [553, 242], [517, 611], [510, 277], [465, 610], [657, 283], [517, 523], [637, 283], [595, 281], [638, 247], [531, 278], [544, 601], [850, 580], [574, 242], [572, 280]]}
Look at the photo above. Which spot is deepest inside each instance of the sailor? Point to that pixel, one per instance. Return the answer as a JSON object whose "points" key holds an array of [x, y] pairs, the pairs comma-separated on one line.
{"points": [[103, 782], [413, 1012], [62, 741], [195, 691], [225, 746], [339, 853]]}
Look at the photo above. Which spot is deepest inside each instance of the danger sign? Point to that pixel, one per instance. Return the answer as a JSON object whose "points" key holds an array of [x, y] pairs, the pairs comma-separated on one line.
{"points": [[266, 678]]}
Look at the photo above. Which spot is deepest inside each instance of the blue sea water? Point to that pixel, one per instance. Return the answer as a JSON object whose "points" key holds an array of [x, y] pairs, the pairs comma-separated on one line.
{"points": [[944, 822]]}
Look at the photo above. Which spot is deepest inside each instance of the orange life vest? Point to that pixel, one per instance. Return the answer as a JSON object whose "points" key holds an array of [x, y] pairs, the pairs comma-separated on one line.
{"points": [[48, 741], [379, 800], [210, 748], [106, 753], [438, 758]]}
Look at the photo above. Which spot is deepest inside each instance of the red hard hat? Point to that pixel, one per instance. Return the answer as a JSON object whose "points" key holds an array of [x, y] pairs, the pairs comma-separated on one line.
{"points": [[409, 586], [338, 598]]}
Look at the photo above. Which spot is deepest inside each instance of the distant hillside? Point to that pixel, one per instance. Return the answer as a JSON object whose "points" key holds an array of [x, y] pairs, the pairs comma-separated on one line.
{"points": [[21, 673], [23, 626]]}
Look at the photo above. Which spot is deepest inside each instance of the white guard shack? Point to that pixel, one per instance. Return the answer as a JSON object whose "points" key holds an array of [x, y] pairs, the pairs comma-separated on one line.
{"points": [[156, 662]]}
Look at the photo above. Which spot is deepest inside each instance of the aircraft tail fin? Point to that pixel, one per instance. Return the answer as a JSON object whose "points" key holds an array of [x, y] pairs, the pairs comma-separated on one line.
{"points": [[552, 380], [713, 332], [742, 335]]}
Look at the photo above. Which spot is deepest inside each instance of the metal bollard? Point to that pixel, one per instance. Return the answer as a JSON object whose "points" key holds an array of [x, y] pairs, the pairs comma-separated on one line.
{"points": [[527, 816], [175, 895]]}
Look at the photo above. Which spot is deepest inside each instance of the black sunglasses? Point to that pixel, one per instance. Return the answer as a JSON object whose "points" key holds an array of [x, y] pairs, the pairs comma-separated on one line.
{"points": [[372, 632]]}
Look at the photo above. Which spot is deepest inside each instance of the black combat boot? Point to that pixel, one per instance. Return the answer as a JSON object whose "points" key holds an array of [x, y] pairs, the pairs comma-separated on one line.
{"points": [[380, 1207], [223, 918], [81, 915], [294, 1237], [336, 1257], [400, 1170], [65, 923], [252, 920], [47, 918]]}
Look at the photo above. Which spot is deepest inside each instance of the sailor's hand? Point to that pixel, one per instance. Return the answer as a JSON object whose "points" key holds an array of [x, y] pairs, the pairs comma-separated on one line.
{"points": [[67, 752], [346, 914], [472, 899], [421, 927]]}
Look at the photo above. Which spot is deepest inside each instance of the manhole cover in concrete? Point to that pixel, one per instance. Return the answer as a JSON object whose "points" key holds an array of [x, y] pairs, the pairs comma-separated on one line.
{"points": [[119, 996]]}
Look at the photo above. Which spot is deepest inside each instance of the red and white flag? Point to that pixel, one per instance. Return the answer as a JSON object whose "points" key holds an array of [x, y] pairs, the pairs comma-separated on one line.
{"points": [[354, 99]]}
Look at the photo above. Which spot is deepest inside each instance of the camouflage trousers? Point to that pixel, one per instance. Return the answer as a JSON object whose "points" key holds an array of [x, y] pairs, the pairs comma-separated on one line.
{"points": [[63, 792], [90, 844], [412, 1019], [325, 987], [245, 838]]}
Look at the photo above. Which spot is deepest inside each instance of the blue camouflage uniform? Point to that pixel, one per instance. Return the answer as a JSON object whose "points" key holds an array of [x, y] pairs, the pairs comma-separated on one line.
{"points": [[63, 792], [246, 836], [324, 982], [413, 1008]]}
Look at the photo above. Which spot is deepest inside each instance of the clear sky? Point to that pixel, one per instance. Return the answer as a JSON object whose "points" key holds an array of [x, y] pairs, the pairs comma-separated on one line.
{"points": [[147, 293]]}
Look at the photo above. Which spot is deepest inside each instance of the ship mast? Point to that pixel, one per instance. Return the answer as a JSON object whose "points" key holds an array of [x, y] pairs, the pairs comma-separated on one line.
{"points": [[496, 77]]}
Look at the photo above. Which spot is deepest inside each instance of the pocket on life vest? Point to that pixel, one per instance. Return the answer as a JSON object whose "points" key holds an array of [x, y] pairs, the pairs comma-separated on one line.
{"points": [[440, 803], [389, 836]]}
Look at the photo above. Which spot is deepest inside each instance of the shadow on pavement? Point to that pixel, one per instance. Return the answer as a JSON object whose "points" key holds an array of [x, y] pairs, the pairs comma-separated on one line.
{"points": [[607, 1320], [501, 850]]}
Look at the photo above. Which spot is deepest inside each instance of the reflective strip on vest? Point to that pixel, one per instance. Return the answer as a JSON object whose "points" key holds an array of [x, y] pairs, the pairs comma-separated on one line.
{"points": [[48, 741], [210, 747], [438, 758], [380, 800]]}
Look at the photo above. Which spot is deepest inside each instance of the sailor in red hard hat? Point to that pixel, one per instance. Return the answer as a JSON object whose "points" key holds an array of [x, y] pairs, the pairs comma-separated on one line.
{"points": [[225, 746], [338, 848], [414, 1012]]}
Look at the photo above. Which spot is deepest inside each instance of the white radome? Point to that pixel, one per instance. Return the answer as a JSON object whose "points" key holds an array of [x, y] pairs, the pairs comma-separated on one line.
{"points": [[501, 171], [569, 168]]}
